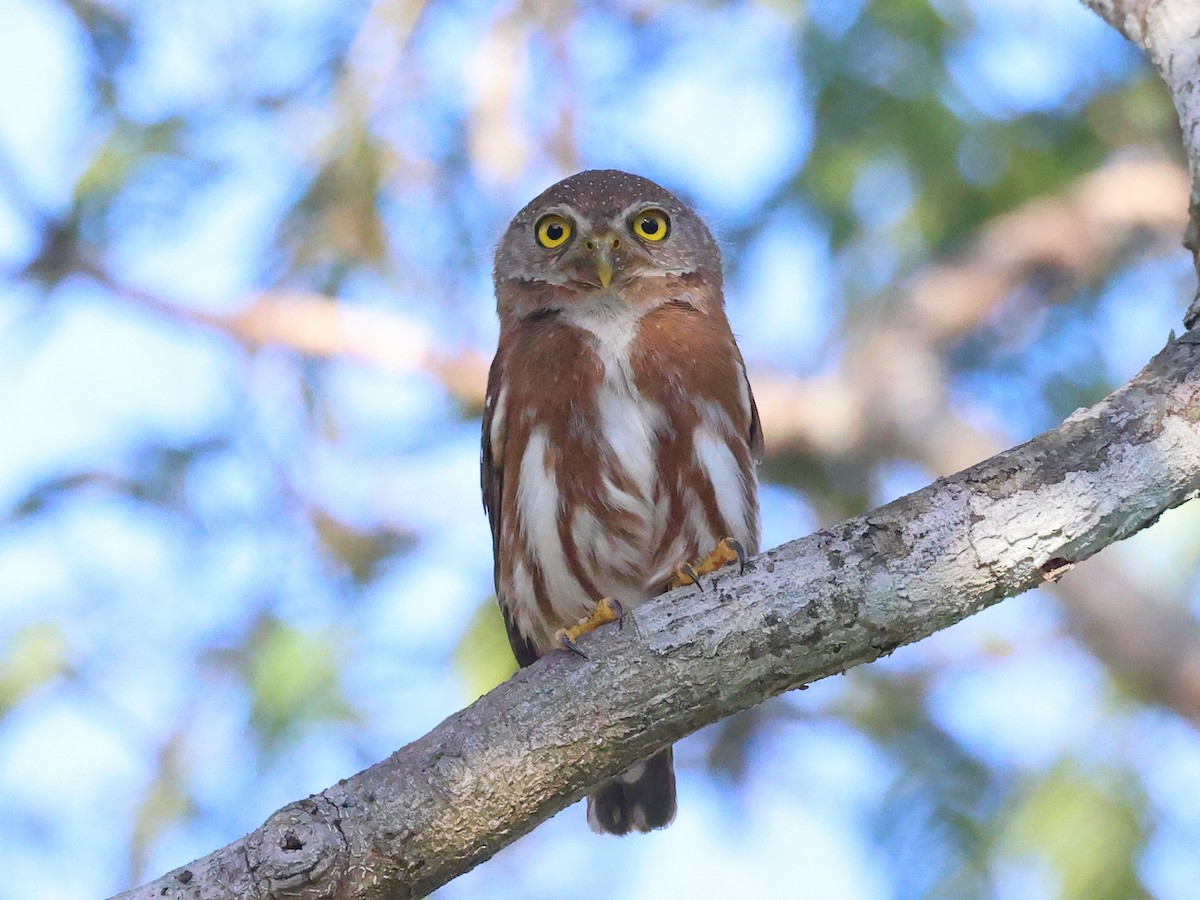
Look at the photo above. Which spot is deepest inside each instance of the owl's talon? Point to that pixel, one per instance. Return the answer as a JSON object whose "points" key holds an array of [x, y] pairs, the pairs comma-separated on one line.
{"points": [[619, 610], [685, 574], [607, 610], [564, 640], [727, 551], [739, 551]]}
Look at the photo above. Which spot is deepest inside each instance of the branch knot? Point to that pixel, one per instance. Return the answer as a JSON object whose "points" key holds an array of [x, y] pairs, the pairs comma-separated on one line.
{"points": [[299, 852]]}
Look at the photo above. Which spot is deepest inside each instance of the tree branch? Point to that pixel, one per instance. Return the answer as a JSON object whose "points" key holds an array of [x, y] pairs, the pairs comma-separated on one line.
{"points": [[808, 609]]}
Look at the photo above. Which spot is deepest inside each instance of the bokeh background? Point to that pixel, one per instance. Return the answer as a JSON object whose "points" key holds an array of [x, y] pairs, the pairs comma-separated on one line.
{"points": [[245, 318]]}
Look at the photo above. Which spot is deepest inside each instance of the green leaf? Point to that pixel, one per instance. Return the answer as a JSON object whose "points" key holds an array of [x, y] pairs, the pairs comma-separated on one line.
{"points": [[483, 657], [1086, 826], [294, 679], [35, 656]]}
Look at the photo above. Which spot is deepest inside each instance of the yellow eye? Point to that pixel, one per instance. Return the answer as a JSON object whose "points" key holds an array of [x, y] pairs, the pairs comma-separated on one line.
{"points": [[651, 225], [553, 231]]}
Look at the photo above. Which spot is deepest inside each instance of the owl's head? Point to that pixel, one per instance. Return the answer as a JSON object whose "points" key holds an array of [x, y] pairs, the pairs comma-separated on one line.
{"points": [[601, 232]]}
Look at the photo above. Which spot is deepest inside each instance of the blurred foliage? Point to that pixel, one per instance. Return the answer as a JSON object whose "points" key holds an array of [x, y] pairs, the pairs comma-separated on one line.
{"points": [[232, 575], [1086, 827], [33, 657], [293, 680], [483, 656]]}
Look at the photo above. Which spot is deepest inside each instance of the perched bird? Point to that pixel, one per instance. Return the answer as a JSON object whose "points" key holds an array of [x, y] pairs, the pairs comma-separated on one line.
{"points": [[620, 436]]}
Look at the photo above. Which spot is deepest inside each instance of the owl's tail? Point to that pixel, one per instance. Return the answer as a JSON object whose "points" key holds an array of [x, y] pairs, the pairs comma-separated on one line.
{"points": [[641, 798]]}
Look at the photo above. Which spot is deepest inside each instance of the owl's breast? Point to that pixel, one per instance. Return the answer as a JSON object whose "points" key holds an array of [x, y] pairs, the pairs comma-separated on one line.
{"points": [[620, 461], [618, 531]]}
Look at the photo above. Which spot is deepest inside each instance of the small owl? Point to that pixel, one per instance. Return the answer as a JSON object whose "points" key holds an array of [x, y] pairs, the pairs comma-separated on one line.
{"points": [[620, 436]]}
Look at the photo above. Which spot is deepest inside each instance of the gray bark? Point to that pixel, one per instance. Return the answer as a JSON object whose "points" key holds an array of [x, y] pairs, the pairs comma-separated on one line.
{"points": [[808, 609]]}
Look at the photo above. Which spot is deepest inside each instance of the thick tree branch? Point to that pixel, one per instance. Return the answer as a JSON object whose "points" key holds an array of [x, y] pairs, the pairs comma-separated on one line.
{"points": [[808, 609]]}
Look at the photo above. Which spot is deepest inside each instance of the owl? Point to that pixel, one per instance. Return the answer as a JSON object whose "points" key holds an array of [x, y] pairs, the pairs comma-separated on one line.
{"points": [[620, 435]]}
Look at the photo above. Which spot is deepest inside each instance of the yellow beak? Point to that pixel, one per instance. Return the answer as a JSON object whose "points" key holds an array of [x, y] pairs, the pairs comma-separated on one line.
{"points": [[604, 265]]}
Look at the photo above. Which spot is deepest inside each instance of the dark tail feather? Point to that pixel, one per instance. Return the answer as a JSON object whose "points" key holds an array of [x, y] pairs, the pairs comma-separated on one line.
{"points": [[641, 798]]}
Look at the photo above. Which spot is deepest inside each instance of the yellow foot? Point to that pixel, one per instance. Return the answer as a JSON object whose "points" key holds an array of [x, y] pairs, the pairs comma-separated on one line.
{"points": [[727, 551], [607, 610]]}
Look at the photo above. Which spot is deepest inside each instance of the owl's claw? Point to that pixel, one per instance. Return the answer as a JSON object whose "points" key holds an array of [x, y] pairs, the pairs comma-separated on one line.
{"points": [[740, 551], [607, 610], [685, 574], [727, 551], [564, 641]]}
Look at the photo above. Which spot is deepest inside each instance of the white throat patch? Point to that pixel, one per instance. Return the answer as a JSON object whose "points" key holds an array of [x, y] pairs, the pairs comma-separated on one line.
{"points": [[613, 324]]}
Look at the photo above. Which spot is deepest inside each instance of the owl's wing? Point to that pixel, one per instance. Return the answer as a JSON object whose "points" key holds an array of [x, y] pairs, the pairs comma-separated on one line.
{"points": [[755, 435], [757, 447], [491, 465]]}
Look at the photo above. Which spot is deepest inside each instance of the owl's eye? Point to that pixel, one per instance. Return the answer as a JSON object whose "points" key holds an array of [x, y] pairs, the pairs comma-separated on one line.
{"points": [[553, 231], [651, 225]]}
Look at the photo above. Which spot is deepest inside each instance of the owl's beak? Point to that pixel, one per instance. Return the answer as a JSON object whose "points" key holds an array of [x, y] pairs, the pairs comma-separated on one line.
{"points": [[602, 249], [604, 266]]}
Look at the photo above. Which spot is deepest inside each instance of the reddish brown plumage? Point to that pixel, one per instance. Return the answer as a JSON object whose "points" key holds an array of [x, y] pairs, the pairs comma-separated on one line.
{"points": [[619, 435]]}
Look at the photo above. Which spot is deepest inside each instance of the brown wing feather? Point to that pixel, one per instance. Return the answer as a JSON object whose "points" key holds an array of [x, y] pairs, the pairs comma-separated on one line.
{"points": [[755, 437], [491, 470], [491, 476]]}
